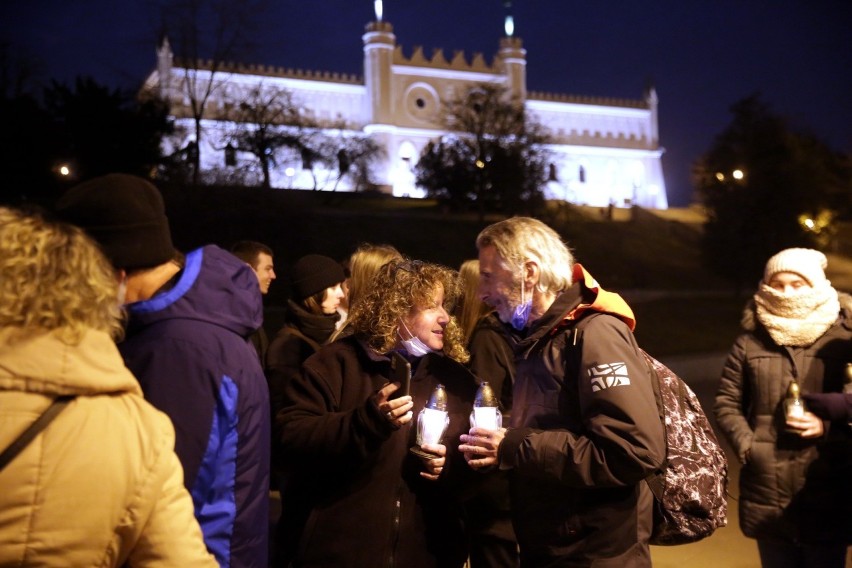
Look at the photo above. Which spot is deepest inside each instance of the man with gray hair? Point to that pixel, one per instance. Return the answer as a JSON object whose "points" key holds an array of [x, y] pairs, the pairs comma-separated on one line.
{"points": [[584, 431]]}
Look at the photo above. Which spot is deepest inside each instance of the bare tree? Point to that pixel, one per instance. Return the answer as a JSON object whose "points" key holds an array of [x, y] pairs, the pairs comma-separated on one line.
{"points": [[208, 37]]}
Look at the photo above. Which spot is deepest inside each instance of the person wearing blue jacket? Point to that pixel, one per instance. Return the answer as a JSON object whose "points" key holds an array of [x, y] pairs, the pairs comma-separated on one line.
{"points": [[189, 319]]}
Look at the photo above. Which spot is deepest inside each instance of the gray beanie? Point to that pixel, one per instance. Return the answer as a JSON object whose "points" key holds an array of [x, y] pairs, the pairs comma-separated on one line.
{"points": [[810, 264]]}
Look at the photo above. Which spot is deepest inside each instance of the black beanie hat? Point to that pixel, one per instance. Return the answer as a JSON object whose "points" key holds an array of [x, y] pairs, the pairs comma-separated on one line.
{"points": [[314, 273], [125, 214]]}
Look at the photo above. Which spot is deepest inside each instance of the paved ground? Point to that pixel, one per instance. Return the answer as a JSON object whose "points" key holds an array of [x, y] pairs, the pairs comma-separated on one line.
{"points": [[727, 547]]}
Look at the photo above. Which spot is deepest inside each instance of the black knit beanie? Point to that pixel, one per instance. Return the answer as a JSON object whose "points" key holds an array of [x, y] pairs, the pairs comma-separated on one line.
{"points": [[125, 214], [314, 273]]}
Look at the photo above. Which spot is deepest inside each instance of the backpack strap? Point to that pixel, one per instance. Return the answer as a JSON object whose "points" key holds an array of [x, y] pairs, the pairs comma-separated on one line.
{"points": [[27, 436]]}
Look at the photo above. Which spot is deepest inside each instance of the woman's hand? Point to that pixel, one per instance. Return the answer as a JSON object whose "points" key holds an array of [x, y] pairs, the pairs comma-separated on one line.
{"points": [[398, 410], [480, 446], [434, 466], [808, 425]]}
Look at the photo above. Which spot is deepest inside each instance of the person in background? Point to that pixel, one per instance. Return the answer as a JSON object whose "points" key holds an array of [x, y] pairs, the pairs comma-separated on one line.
{"points": [[189, 318], [354, 494], [584, 432], [364, 264], [488, 512], [259, 257], [316, 282], [100, 485], [795, 496]]}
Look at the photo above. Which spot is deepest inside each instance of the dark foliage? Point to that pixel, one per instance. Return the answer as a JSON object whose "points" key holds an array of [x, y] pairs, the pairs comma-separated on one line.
{"points": [[493, 160], [785, 178]]}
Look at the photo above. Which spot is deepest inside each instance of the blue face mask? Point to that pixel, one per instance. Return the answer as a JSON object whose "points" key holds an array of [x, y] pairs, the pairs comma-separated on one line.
{"points": [[414, 346], [521, 313]]}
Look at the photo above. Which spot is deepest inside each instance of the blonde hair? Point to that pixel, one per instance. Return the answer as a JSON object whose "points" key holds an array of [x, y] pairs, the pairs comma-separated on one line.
{"points": [[521, 239], [55, 279], [400, 287], [364, 263], [471, 309]]}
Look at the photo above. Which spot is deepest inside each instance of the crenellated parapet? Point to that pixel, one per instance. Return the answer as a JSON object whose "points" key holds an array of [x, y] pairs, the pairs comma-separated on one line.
{"points": [[588, 100], [273, 71], [459, 61]]}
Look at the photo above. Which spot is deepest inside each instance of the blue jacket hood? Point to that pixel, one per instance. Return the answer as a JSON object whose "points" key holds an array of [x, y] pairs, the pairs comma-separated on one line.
{"points": [[215, 287]]}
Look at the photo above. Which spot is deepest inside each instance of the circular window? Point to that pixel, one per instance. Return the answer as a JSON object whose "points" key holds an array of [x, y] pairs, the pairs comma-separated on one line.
{"points": [[421, 102]]}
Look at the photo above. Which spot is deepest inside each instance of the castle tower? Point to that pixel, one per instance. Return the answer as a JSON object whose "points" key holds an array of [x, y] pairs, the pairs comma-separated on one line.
{"points": [[379, 43], [653, 101], [165, 61], [514, 58]]}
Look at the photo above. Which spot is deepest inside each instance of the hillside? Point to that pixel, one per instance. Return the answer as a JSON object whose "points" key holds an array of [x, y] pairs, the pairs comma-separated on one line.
{"points": [[650, 258]]}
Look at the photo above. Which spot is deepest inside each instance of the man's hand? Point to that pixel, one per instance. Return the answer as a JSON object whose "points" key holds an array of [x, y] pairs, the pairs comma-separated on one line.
{"points": [[480, 446]]}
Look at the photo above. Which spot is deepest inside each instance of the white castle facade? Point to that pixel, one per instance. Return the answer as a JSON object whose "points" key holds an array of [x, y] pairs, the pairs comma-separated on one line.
{"points": [[604, 151]]}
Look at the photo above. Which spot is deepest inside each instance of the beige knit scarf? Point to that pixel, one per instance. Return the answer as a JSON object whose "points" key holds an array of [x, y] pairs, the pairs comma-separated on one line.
{"points": [[800, 318]]}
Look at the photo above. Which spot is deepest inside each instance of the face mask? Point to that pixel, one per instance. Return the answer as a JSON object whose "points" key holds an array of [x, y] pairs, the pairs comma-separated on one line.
{"points": [[414, 346], [522, 311]]}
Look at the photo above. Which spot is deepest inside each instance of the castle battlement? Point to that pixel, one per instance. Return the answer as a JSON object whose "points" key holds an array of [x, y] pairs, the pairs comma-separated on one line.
{"points": [[587, 100], [273, 71], [459, 62]]}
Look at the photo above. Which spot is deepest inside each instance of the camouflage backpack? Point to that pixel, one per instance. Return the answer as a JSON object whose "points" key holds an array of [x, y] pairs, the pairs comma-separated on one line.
{"points": [[690, 489]]}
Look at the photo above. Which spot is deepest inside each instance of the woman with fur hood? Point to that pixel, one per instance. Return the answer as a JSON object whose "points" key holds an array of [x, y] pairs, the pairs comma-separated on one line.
{"points": [[795, 496]]}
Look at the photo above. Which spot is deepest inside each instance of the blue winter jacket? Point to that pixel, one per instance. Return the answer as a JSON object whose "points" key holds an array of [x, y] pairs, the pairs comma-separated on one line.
{"points": [[188, 347]]}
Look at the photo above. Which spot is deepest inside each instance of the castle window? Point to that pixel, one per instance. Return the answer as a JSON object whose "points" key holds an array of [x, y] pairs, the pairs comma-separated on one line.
{"points": [[230, 155], [582, 174], [420, 103]]}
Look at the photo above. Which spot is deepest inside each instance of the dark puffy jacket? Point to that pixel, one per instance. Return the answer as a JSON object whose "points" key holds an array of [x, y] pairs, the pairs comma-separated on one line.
{"points": [[352, 494], [188, 347], [585, 432], [790, 487]]}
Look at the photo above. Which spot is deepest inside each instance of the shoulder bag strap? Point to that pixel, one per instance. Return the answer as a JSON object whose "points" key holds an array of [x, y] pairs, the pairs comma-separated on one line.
{"points": [[27, 435]]}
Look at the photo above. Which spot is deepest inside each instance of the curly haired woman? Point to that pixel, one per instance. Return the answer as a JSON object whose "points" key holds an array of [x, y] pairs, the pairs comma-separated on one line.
{"points": [[101, 484], [354, 494]]}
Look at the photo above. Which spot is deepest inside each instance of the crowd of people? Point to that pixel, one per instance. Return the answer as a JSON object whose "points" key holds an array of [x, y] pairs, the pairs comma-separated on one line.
{"points": [[147, 417]]}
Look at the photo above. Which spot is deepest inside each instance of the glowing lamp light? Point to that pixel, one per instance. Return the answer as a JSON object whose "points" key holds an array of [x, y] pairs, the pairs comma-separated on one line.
{"points": [[509, 26], [290, 171], [64, 170], [720, 176], [486, 413], [432, 422], [480, 164], [738, 174]]}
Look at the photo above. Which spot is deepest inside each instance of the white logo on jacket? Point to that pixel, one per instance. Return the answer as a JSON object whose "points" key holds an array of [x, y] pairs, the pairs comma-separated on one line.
{"points": [[608, 375]]}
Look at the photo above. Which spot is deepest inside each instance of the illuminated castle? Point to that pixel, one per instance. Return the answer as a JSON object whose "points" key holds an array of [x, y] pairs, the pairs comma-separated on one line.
{"points": [[604, 151]]}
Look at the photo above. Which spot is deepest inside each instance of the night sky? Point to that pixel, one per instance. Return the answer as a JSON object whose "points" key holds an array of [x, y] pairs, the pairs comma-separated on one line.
{"points": [[701, 55]]}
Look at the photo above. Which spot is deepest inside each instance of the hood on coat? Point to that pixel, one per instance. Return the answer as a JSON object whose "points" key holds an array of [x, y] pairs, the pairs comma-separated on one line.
{"points": [[47, 365], [602, 301], [214, 287], [749, 319]]}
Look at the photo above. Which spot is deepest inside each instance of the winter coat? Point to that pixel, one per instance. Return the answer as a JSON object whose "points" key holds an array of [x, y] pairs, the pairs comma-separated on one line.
{"points": [[492, 358], [302, 335], [353, 495], [101, 485], [585, 432], [791, 488], [188, 346]]}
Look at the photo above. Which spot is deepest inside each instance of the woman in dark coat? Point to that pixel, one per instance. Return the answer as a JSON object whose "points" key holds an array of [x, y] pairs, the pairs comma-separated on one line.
{"points": [[354, 494], [794, 484]]}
